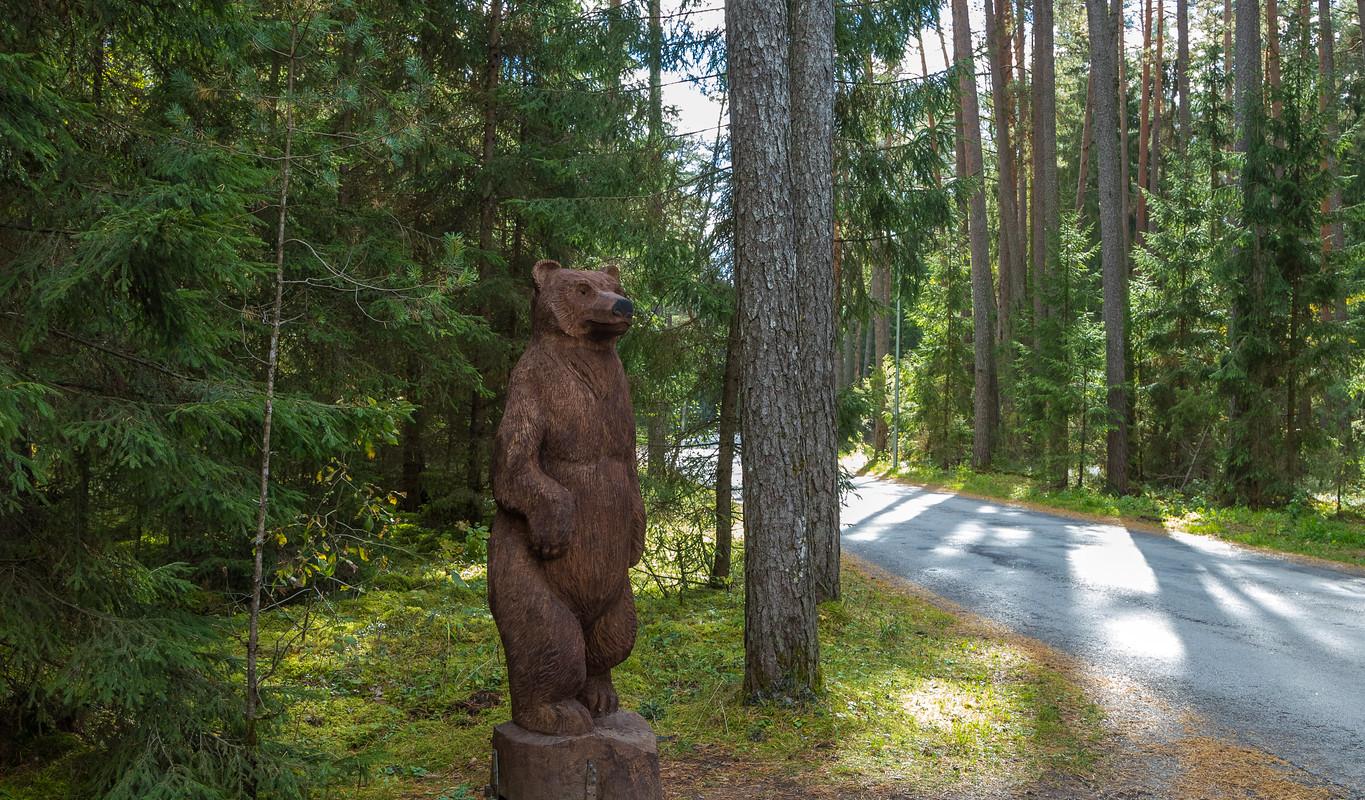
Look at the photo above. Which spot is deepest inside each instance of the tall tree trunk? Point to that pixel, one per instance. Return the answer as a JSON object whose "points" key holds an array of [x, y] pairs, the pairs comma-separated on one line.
{"points": [[781, 648], [1228, 54], [258, 542], [660, 415], [1272, 56], [1046, 200], [997, 40], [1158, 97], [1334, 231], [812, 156], [1125, 178], [1104, 71], [1046, 212], [1182, 72], [1087, 138], [1144, 124], [985, 403], [725, 456], [1023, 144]]}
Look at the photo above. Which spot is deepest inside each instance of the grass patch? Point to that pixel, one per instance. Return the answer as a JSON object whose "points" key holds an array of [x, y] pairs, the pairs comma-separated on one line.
{"points": [[1301, 528], [412, 682], [408, 680]]}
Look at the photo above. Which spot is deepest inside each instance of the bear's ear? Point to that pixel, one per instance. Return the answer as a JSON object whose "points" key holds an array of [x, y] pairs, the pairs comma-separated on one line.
{"points": [[611, 269], [542, 271]]}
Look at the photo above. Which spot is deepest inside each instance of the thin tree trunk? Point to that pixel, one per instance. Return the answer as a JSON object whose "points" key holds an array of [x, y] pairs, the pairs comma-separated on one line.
{"points": [[1158, 67], [1228, 55], [881, 346], [1272, 56], [1125, 177], [1023, 144], [1104, 71], [1046, 219], [1087, 137], [1182, 72], [1046, 216], [985, 404], [1144, 125], [781, 648], [488, 211], [725, 457], [253, 687], [812, 156], [997, 40], [1334, 231]]}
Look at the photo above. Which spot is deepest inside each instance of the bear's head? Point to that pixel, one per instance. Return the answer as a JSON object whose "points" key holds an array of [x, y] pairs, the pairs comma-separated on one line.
{"points": [[583, 304]]}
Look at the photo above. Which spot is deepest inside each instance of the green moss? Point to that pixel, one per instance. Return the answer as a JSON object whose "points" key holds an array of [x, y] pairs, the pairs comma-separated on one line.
{"points": [[1302, 528]]}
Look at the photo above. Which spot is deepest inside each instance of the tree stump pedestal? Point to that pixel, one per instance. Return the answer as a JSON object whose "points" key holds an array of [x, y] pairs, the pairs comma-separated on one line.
{"points": [[618, 760]]}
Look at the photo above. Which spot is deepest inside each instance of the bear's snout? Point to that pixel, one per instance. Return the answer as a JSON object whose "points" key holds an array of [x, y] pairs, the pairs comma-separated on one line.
{"points": [[623, 308]]}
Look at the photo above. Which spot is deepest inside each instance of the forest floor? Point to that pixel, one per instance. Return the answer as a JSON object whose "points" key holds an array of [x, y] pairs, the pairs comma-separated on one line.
{"points": [[409, 678], [1310, 529]]}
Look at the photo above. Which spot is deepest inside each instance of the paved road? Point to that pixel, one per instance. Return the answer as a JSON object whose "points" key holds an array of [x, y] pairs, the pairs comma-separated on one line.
{"points": [[1269, 649]]}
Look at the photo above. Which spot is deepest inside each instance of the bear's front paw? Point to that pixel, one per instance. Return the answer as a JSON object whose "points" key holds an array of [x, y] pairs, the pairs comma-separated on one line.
{"points": [[551, 532]]}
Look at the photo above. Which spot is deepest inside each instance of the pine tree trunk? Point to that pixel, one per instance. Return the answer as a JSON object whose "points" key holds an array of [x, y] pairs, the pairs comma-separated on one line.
{"points": [[1182, 72], [782, 652], [1144, 124], [985, 404], [1046, 209], [812, 157], [1087, 138], [1104, 71], [1158, 67], [997, 40], [1272, 56], [1334, 231]]}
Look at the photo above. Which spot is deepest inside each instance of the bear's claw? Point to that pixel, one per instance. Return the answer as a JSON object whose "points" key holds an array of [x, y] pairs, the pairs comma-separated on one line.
{"points": [[564, 718]]}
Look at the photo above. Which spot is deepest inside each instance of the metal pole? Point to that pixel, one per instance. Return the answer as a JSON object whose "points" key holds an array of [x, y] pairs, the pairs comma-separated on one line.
{"points": [[896, 411]]}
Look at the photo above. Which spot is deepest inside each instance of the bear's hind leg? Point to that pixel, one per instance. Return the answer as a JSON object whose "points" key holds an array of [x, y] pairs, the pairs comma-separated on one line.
{"points": [[543, 641], [607, 642]]}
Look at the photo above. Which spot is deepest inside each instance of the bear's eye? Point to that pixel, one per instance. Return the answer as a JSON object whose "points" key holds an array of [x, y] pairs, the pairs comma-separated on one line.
{"points": [[583, 289]]}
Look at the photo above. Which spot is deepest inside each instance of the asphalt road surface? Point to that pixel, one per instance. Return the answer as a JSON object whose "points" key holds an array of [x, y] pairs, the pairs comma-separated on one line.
{"points": [[1266, 649]]}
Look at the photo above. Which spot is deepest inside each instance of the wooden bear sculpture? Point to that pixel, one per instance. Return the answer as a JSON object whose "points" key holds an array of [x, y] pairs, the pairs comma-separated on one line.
{"points": [[570, 521]]}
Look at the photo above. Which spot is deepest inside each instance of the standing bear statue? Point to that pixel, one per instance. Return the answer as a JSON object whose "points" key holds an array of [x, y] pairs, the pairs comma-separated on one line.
{"points": [[570, 523]]}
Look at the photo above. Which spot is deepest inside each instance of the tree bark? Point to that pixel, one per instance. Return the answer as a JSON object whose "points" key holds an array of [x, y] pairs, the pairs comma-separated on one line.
{"points": [[781, 648], [985, 403], [1087, 138], [1158, 97], [1334, 231], [812, 155], [1104, 71], [1144, 121], [1182, 72], [1010, 257], [1272, 56], [1046, 213]]}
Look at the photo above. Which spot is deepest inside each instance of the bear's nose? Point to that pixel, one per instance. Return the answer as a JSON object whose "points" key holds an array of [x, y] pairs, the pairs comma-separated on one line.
{"points": [[623, 308]]}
